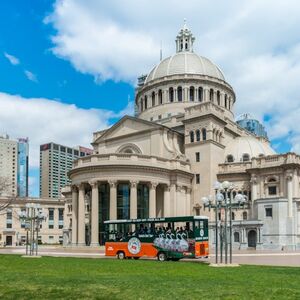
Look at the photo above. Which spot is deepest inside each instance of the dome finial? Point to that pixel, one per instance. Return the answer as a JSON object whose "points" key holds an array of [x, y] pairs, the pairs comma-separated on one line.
{"points": [[184, 39], [184, 24]]}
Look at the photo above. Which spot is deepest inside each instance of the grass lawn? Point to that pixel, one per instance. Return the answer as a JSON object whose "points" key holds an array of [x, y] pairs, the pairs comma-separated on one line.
{"points": [[83, 278]]}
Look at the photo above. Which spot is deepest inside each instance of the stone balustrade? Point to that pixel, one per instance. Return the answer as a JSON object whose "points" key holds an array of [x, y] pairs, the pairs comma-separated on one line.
{"points": [[260, 162], [133, 160]]}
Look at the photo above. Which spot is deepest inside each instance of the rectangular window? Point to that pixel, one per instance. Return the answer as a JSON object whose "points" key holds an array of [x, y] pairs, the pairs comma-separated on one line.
{"points": [[51, 226], [197, 156], [272, 190], [269, 212], [197, 178], [51, 214], [60, 214]]}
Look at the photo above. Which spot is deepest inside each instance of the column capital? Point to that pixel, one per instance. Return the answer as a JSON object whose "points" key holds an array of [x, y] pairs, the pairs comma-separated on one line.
{"points": [[188, 190], [134, 183], [179, 188], [289, 176], [153, 185], [112, 183], [253, 179], [93, 183], [74, 188], [81, 186]]}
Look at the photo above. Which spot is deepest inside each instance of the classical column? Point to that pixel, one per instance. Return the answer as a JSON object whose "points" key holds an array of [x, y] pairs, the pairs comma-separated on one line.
{"points": [[173, 197], [81, 216], [289, 178], [113, 200], [95, 214], [185, 92], [152, 200], [253, 193], [74, 214], [206, 95], [133, 199], [188, 201], [167, 201], [179, 207]]}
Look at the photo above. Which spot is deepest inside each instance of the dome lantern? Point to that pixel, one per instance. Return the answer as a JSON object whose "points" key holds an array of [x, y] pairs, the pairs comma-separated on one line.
{"points": [[184, 39]]}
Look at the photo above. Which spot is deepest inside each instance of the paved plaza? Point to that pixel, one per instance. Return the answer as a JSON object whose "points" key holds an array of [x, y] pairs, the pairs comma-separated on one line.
{"points": [[248, 257]]}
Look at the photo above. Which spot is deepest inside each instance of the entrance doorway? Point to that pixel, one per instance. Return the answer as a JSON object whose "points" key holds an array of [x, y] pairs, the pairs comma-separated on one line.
{"points": [[8, 240], [252, 237]]}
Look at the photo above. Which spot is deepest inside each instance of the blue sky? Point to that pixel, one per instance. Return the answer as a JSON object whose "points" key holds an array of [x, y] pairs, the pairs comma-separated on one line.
{"points": [[68, 67]]}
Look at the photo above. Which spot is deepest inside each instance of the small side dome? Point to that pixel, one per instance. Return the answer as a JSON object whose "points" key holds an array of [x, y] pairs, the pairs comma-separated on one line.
{"points": [[242, 149]]}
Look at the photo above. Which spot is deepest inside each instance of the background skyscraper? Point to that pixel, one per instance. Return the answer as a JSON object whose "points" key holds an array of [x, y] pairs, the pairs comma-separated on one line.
{"points": [[22, 175], [55, 163], [8, 165]]}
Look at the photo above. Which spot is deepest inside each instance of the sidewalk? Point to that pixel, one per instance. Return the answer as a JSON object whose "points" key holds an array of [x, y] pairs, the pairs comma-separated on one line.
{"points": [[249, 257]]}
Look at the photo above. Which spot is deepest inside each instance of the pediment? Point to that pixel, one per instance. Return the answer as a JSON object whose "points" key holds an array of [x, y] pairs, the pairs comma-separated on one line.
{"points": [[127, 126]]}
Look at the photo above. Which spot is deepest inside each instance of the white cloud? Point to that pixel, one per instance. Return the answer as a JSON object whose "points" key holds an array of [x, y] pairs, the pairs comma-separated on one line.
{"points": [[45, 120], [30, 76], [256, 43], [12, 59]]}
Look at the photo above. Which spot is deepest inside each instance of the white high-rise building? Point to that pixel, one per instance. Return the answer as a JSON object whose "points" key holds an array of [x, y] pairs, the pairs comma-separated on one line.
{"points": [[8, 165]]}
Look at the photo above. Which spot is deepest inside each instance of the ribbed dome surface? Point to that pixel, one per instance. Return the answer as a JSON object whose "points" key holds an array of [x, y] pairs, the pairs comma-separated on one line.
{"points": [[185, 63], [247, 145]]}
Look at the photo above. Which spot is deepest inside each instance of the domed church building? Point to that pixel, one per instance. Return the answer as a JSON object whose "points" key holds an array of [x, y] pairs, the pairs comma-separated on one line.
{"points": [[182, 139]]}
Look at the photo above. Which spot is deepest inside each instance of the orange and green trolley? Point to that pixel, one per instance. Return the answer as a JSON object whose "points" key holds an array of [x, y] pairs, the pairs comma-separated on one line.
{"points": [[171, 238]]}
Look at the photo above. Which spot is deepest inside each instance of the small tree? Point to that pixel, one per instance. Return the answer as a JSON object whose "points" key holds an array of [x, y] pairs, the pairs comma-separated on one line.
{"points": [[5, 193]]}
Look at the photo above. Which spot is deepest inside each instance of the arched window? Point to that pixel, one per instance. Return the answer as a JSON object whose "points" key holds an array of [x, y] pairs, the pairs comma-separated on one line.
{"points": [[225, 101], [192, 136], [192, 93], [179, 94], [153, 99], [236, 237], [200, 94], [232, 216], [198, 135], [218, 97], [245, 215], [171, 94], [230, 158], [246, 157], [142, 104], [204, 134], [211, 95], [146, 102], [160, 96]]}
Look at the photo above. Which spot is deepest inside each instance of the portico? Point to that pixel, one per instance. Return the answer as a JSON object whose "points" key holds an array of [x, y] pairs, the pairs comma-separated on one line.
{"points": [[95, 201]]}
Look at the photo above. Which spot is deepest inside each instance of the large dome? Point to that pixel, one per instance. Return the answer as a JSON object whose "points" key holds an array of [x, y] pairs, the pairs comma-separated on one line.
{"points": [[185, 63], [244, 145]]}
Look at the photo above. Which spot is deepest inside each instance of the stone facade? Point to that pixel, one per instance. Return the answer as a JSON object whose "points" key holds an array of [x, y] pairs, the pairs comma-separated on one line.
{"points": [[13, 231], [164, 160]]}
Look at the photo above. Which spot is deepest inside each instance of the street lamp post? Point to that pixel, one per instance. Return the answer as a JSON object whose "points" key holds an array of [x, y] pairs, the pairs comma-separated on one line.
{"points": [[34, 216], [226, 203]]}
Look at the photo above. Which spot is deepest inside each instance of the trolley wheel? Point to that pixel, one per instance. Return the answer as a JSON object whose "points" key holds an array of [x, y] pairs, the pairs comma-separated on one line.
{"points": [[136, 258], [161, 256], [121, 255]]}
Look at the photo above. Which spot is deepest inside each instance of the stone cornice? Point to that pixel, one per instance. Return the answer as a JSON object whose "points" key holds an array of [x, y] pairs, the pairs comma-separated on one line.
{"points": [[118, 168]]}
